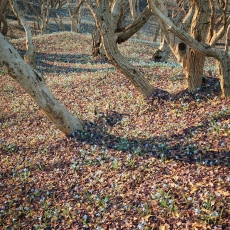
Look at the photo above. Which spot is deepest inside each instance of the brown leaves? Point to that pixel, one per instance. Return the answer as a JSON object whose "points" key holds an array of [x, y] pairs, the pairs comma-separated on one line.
{"points": [[160, 165]]}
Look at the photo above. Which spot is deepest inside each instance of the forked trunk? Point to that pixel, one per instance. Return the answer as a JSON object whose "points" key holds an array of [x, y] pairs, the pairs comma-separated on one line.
{"points": [[119, 61], [75, 16], [121, 34], [34, 85]]}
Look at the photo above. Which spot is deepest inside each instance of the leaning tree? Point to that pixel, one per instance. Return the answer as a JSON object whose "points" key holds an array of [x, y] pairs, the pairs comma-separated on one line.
{"points": [[106, 16], [33, 83]]}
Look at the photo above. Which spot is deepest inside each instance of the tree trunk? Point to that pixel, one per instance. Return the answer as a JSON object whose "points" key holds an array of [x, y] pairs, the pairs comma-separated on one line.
{"points": [[162, 53], [97, 49], [224, 75], [206, 49], [120, 34], [30, 55], [193, 69], [34, 85], [191, 60], [194, 63], [156, 33], [3, 24], [45, 11], [75, 16], [103, 20], [134, 10]]}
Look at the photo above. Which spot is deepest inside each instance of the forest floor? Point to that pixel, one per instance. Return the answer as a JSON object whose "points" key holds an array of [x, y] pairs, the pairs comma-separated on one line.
{"points": [[143, 164]]}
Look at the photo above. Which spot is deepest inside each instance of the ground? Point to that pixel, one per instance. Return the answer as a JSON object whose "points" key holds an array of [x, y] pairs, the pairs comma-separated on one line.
{"points": [[161, 163]]}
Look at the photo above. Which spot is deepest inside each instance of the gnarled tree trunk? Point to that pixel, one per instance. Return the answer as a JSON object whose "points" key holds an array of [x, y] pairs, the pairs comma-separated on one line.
{"points": [[224, 75], [35, 86], [191, 60], [194, 63], [103, 19], [206, 49], [120, 34]]}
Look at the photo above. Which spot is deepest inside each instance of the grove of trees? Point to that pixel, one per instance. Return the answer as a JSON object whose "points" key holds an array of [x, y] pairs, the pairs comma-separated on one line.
{"points": [[191, 29]]}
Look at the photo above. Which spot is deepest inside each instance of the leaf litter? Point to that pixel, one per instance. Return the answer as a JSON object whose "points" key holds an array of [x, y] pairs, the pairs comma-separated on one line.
{"points": [[161, 163]]}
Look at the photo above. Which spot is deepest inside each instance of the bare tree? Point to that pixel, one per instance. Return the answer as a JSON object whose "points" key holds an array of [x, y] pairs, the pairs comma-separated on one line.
{"points": [[75, 15], [121, 33], [43, 14], [106, 16], [205, 48], [34, 84], [30, 55]]}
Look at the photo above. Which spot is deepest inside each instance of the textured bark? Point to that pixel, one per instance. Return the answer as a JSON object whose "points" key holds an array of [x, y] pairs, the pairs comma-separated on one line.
{"points": [[103, 20], [177, 47], [120, 34], [224, 75], [34, 85], [194, 63], [191, 60], [193, 69], [221, 55], [122, 64]]}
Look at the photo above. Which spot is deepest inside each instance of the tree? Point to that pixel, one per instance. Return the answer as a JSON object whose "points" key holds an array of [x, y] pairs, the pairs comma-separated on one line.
{"points": [[106, 17], [30, 55], [3, 22], [43, 13], [75, 15], [206, 48], [121, 33], [34, 84]]}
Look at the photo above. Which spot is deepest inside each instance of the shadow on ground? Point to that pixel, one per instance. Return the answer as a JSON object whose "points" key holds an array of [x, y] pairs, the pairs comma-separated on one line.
{"points": [[44, 62], [165, 147]]}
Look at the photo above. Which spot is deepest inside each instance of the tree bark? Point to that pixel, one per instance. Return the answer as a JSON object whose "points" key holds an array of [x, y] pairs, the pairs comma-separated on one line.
{"points": [[191, 60], [3, 24], [34, 84], [224, 75], [103, 20], [121, 34], [221, 55], [194, 63]]}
